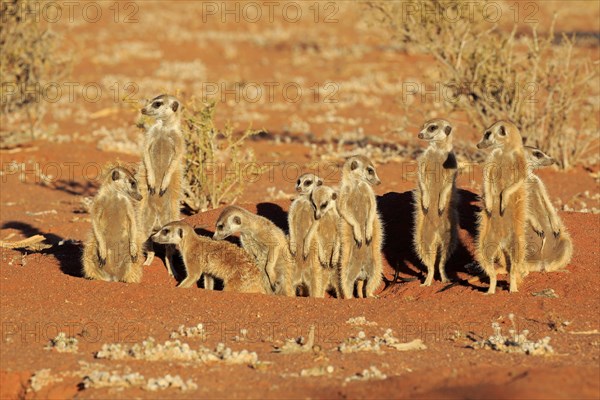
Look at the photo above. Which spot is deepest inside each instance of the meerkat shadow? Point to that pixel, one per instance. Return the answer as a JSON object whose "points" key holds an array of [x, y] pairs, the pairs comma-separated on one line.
{"points": [[396, 212], [462, 260], [67, 252], [274, 213]]}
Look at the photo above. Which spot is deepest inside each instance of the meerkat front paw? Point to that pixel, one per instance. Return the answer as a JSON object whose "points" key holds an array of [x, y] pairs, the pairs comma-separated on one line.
{"points": [[133, 252], [440, 211], [101, 258], [369, 234], [358, 239], [151, 190], [502, 205], [162, 192]]}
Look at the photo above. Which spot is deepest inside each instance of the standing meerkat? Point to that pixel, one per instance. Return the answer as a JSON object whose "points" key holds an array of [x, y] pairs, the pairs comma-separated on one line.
{"points": [[549, 244], [161, 170], [501, 229], [203, 255], [265, 242], [436, 217], [300, 218], [361, 233], [323, 237], [112, 251]]}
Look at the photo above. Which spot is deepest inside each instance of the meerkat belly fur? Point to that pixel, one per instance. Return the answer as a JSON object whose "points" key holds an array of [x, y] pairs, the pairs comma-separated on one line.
{"points": [[265, 242], [300, 218], [361, 232], [323, 238], [549, 245], [112, 252], [436, 217], [203, 255], [501, 231], [161, 170]]}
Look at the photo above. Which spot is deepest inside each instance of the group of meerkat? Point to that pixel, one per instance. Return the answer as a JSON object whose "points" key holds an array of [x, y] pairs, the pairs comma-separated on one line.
{"points": [[335, 234], [518, 227], [335, 237]]}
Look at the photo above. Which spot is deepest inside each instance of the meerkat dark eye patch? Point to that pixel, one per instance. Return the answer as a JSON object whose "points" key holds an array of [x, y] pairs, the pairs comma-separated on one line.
{"points": [[538, 154], [175, 106], [220, 227], [237, 220], [353, 165], [323, 206], [502, 131], [180, 233], [487, 135], [298, 182], [157, 104], [370, 171], [432, 128], [166, 231], [319, 182], [308, 183], [334, 196], [448, 129], [115, 175]]}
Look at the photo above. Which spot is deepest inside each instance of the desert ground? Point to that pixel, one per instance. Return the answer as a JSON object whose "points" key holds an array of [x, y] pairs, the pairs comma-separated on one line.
{"points": [[343, 80]]}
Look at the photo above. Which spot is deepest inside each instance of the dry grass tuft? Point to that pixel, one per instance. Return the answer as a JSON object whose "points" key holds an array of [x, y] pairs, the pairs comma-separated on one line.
{"points": [[534, 80]]}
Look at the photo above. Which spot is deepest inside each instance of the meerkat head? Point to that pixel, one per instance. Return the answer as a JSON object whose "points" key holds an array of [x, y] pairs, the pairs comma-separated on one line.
{"points": [[361, 168], [123, 181], [537, 158], [162, 107], [322, 199], [436, 130], [501, 134], [171, 233], [307, 182], [229, 222]]}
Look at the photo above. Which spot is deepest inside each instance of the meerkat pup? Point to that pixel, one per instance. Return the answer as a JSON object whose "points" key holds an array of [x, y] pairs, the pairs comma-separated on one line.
{"points": [[501, 229], [203, 255], [550, 247], [307, 271], [323, 237], [436, 217], [263, 241], [112, 251], [161, 171], [361, 234]]}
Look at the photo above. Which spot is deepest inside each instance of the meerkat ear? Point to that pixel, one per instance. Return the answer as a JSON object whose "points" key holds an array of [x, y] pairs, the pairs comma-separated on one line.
{"points": [[116, 175], [319, 182], [354, 165], [237, 220], [175, 106], [502, 130], [180, 232], [334, 196], [448, 129]]}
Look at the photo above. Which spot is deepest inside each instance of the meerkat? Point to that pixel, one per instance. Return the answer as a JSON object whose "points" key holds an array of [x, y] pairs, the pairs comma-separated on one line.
{"points": [[220, 259], [161, 171], [361, 233], [501, 230], [300, 217], [323, 237], [112, 251], [436, 217], [263, 241], [550, 247]]}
